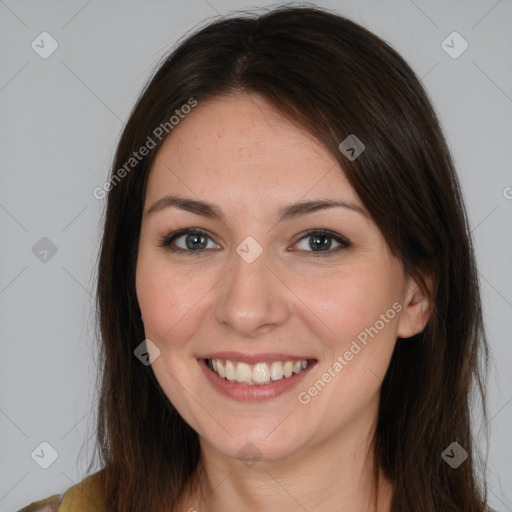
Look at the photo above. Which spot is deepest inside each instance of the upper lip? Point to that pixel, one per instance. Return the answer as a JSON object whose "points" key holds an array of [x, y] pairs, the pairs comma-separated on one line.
{"points": [[254, 358]]}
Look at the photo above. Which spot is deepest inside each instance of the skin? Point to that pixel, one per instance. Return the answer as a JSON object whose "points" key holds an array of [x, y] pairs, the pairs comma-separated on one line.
{"points": [[242, 155]]}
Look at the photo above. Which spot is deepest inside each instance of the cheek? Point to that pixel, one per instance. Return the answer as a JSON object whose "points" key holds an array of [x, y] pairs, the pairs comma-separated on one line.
{"points": [[350, 302], [157, 294], [170, 300], [358, 343]]}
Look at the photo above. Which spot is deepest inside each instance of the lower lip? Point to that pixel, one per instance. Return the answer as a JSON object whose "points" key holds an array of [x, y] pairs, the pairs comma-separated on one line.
{"points": [[254, 392]]}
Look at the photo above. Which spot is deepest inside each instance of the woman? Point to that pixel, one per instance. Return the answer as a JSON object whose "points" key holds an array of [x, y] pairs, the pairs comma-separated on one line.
{"points": [[288, 299]]}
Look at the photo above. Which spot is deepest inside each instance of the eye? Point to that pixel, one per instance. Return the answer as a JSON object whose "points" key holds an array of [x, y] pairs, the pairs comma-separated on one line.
{"points": [[194, 241], [191, 240], [320, 241]]}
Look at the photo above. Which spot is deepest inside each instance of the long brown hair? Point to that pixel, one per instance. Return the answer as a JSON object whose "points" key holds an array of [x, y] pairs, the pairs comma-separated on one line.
{"points": [[335, 78]]}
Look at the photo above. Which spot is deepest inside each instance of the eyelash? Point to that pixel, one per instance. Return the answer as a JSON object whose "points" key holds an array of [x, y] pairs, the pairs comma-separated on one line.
{"points": [[166, 242]]}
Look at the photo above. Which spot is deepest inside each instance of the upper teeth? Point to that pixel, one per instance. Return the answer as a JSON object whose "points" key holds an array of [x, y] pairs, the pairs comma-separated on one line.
{"points": [[260, 373]]}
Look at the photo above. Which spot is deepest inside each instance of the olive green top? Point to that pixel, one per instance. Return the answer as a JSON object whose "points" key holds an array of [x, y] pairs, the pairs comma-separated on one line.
{"points": [[82, 497]]}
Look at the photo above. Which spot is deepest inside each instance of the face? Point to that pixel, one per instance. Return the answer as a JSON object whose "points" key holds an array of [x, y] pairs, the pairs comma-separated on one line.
{"points": [[234, 273]]}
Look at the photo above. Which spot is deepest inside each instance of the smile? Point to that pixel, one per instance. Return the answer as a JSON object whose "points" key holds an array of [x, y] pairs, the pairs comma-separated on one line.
{"points": [[256, 374], [244, 377]]}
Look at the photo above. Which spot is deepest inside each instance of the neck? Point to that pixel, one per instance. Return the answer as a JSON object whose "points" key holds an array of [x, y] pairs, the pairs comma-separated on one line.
{"points": [[337, 474]]}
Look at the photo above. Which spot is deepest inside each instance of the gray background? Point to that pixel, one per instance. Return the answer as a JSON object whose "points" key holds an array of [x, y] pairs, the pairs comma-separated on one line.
{"points": [[60, 121]]}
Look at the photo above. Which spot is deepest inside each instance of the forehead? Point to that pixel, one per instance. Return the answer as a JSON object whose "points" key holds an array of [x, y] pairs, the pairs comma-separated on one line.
{"points": [[240, 147]]}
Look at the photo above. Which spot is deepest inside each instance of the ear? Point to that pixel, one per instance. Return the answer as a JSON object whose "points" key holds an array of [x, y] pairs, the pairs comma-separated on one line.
{"points": [[417, 308]]}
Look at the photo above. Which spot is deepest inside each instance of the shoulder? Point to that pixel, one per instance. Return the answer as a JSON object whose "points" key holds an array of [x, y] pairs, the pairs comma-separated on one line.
{"points": [[82, 497], [50, 504]]}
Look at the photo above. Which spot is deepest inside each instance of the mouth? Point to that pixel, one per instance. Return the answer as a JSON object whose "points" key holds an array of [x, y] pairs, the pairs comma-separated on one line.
{"points": [[254, 378], [258, 374]]}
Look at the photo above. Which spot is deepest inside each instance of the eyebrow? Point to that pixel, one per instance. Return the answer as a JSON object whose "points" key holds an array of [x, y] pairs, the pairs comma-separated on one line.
{"points": [[210, 210]]}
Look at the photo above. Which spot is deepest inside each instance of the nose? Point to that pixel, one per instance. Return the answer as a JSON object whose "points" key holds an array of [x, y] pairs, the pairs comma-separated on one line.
{"points": [[253, 298]]}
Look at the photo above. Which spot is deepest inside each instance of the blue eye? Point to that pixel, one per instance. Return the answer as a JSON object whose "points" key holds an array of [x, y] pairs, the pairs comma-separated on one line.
{"points": [[194, 241]]}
